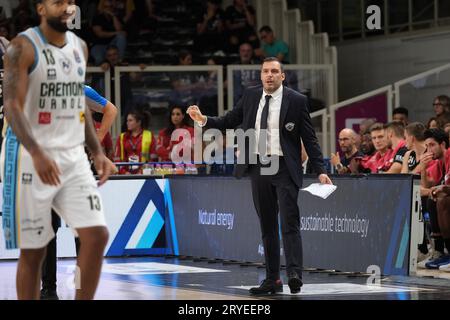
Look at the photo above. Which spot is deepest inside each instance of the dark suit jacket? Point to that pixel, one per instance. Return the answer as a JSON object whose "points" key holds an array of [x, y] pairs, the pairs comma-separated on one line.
{"points": [[294, 110]]}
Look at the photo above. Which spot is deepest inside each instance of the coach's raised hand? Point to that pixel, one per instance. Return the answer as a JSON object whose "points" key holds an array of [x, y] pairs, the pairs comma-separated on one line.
{"points": [[196, 115]]}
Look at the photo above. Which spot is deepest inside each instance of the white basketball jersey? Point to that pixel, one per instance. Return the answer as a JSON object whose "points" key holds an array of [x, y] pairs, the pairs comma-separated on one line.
{"points": [[55, 102]]}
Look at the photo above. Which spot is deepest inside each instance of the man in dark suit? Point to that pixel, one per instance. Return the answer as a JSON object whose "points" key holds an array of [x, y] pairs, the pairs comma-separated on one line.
{"points": [[279, 118]]}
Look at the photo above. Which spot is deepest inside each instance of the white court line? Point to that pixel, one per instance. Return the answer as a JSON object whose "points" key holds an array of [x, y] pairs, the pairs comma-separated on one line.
{"points": [[342, 288], [153, 268]]}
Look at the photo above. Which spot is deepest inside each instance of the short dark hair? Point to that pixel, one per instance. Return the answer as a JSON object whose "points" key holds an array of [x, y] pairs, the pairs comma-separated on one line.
{"points": [[438, 135], [265, 29], [416, 129], [272, 59], [400, 110], [397, 127], [376, 127]]}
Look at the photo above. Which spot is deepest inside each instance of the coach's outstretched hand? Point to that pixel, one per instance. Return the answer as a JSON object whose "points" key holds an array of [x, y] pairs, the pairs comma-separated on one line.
{"points": [[196, 115]]}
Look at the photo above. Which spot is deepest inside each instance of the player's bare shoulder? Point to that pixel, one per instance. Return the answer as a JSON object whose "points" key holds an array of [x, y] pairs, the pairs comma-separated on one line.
{"points": [[18, 59], [20, 52]]}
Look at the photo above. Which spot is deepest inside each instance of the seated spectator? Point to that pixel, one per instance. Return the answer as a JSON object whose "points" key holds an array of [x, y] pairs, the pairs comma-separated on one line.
{"points": [[110, 62], [441, 195], [240, 22], [400, 114], [108, 30], [378, 162], [272, 47], [395, 133], [415, 142], [438, 154], [441, 105], [136, 143], [243, 79], [185, 84], [349, 152], [210, 28], [367, 148], [177, 120]]}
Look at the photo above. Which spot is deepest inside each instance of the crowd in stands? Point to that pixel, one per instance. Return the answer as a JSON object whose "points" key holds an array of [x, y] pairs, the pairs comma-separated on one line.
{"points": [[400, 147]]}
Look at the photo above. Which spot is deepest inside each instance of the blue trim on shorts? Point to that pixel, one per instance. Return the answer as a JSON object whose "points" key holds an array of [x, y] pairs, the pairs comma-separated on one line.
{"points": [[9, 190]]}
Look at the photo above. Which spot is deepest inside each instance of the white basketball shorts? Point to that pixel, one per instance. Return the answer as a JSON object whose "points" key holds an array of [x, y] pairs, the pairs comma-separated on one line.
{"points": [[27, 202]]}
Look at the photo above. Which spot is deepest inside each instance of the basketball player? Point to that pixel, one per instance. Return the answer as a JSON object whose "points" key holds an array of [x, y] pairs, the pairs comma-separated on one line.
{"points": [[96, 103], [43, 163]]}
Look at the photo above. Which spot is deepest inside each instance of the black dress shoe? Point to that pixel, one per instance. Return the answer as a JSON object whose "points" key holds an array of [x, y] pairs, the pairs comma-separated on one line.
{"points": [[295, 283], [47, 294], [268, 286]]}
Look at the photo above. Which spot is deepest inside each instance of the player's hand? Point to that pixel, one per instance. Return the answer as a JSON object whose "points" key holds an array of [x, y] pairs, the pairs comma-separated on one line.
{"points": [[196, 115], [104, 167], [46, 168], [324, 179]]}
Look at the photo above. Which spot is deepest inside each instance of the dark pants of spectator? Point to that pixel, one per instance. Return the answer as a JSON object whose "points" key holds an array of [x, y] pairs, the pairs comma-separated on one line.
{"points": [[273, 193], [98, 51], [49, 265]]}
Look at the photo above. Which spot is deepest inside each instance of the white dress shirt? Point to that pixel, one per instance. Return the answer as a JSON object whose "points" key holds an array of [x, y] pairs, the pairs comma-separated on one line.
{"points": [[273, 122]]}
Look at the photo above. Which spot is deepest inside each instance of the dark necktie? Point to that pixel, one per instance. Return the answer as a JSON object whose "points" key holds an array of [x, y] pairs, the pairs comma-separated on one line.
{"points": [[263, 127]]}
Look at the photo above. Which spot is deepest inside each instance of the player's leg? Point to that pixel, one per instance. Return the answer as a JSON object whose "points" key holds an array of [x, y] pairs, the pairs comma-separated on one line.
{"points": [[29, 273], [79, 204], [90, 258], [26, 215]]}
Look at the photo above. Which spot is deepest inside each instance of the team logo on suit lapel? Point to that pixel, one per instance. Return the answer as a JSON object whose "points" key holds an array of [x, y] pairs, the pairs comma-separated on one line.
{"points": [[289, 126]]}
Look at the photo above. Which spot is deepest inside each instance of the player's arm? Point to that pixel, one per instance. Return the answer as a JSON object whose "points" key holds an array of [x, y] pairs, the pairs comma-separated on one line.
{"points": [[103, 166], [18, 59], [97, 103]]}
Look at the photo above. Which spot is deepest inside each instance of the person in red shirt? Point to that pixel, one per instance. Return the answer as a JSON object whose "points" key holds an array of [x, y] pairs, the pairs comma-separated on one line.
{"points": [[435, 165], [106, 143], [136, 144], [395, 133], [377, 163], [177, 120]]}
